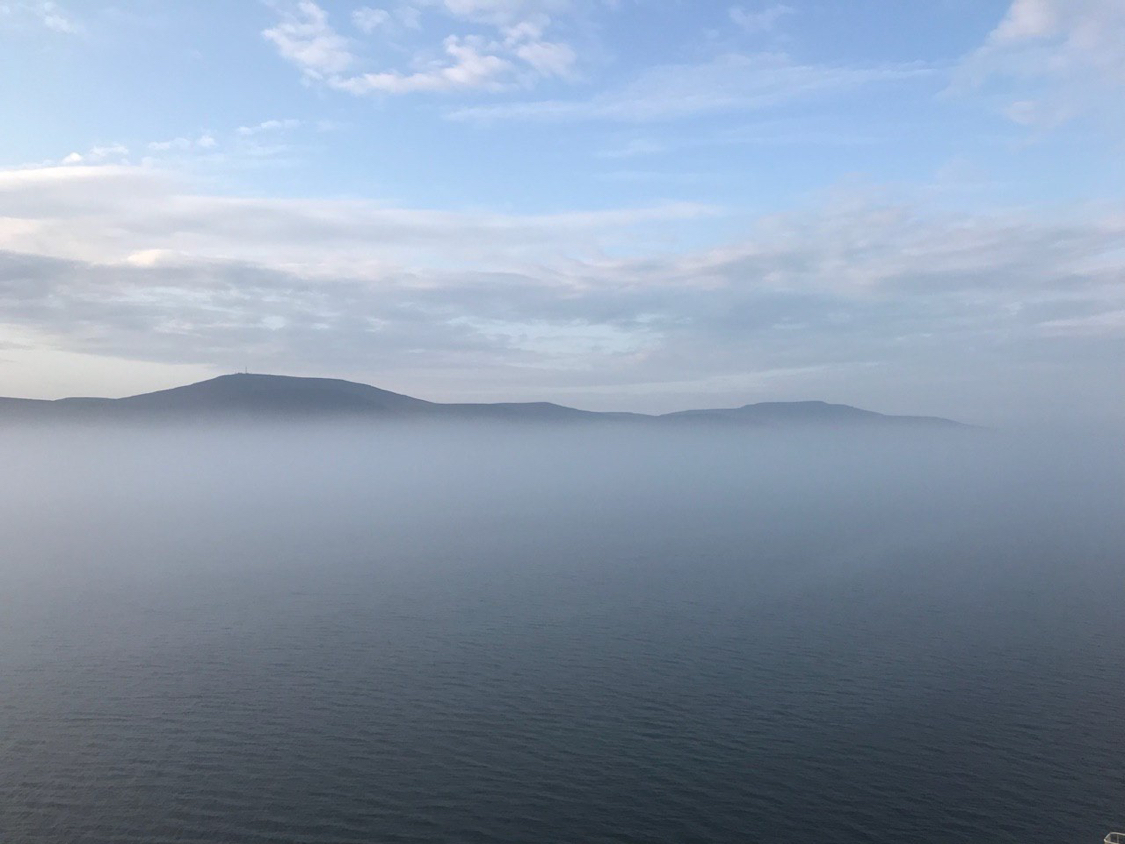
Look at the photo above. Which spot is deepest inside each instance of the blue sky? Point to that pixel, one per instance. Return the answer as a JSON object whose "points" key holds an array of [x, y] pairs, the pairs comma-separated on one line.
{"points": [[628, 204]]}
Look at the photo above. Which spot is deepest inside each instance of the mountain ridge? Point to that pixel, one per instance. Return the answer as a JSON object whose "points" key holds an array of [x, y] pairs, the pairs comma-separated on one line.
{"points": [[261, 396]]}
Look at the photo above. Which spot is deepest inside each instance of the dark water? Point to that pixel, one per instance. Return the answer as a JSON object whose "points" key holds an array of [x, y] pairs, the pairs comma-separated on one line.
{"points": [[326, 637]]}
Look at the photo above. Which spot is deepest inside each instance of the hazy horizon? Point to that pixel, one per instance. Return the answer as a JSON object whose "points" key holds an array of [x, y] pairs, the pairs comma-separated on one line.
{"points": [[611, 205], [330, 378]]}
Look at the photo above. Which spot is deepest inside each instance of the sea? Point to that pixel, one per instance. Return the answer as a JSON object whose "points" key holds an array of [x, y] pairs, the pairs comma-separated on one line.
{"points": [[318, 634]]}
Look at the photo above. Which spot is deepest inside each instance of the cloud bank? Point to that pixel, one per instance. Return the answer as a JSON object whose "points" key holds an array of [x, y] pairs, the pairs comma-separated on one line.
{"points": [[131, 262]]}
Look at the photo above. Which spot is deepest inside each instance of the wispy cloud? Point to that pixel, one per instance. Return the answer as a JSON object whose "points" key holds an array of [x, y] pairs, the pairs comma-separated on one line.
{"points": [[268, 126], [517, 53], [469, 66], [761, 20], [44, 13], [151, 213], [790, 132], [1049, 61], [728, 83], [97, 154], [206, 141], [635, 147], [54, 18], [368, 19], [304, 37]]}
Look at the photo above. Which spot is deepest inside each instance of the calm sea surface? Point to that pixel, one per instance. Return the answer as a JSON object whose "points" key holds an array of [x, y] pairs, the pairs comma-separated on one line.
{"points": [[325, 636]]}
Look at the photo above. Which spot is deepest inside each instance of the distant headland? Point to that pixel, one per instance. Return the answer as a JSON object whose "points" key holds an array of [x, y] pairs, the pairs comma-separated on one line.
{"points": [[283, 397]]}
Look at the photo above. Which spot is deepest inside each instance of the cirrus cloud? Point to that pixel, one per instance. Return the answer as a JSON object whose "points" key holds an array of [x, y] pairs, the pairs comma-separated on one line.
{"points": [[727, 83]]}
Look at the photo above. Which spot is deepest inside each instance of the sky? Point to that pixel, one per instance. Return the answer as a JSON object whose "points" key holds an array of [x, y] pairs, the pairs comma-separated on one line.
{"points": [[913, 207]]}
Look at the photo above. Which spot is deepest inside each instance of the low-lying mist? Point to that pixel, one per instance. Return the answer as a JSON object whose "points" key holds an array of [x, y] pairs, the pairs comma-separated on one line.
{"points": [[334, 633]]}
